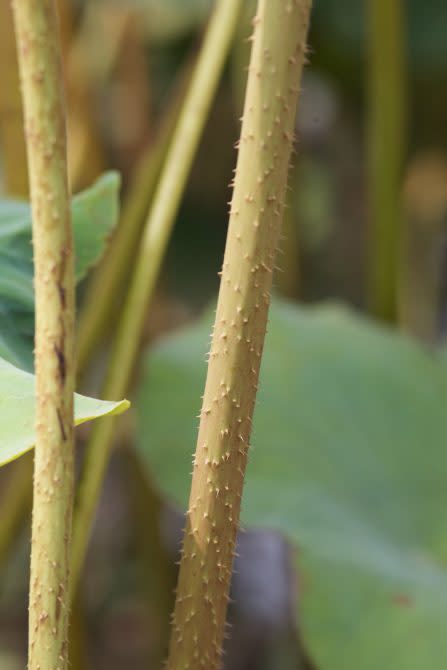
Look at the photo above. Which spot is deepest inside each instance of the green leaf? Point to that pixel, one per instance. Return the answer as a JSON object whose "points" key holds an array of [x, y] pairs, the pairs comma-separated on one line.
{"points": [[94, 213], [349, 460], [17, 411]]}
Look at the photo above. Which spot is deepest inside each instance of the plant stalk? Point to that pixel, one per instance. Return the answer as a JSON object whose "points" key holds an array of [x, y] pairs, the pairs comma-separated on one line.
{"points": [[386, 135], [155, 238], [12, 140], [44, 111], [110, 277], [278, 55], [104, 297]]}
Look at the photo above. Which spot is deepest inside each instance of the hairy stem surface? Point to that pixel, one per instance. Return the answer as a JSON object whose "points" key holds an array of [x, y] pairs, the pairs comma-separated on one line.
{"points": [[278, 54], [104, 296], [154, 242], [40, 71]]}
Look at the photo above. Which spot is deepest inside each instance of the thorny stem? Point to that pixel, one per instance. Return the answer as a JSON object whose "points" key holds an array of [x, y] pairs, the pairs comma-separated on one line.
{"points": [[153, 245], [278, 54], [100, 304], [101, 301], [386, 149], [40, 72], [104, 295]]}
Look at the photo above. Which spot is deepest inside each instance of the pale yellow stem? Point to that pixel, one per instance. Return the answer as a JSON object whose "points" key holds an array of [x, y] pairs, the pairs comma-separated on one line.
{"points": [[44, 111], [277, 59]]}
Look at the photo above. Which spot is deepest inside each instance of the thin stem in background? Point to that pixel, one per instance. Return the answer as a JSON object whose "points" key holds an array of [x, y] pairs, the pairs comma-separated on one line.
{"points": [[153, 246], [277, 59], [107, 285], [386, 138], [105, 295], [11, 116], [44, 111]]}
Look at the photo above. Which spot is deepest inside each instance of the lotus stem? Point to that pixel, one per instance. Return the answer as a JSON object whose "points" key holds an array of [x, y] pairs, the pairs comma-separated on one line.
{"points": [[278, 55], [44, 112]]}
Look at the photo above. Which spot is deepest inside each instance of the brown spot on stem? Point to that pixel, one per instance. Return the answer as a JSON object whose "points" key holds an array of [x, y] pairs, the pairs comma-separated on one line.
{"points": [[61, 363], [61, 424], [61, 292]]}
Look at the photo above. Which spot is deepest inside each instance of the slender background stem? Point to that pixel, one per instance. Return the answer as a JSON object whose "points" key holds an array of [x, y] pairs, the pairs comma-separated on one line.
{"points": [[11, 116], [386, 136], [44, 111], [105, 295], [106, 289]]}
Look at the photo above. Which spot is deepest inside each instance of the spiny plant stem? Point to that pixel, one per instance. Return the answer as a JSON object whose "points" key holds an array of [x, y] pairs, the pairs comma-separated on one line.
{"points": [[40, 71], [104, 293], [386, 149], [278, 54], [100, 304], [154, 242]]}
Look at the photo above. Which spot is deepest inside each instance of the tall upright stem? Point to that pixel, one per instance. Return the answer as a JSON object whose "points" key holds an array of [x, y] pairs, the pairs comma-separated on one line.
{"points": [[155, 238], [40, 72], [278, 54], [386, 131]]}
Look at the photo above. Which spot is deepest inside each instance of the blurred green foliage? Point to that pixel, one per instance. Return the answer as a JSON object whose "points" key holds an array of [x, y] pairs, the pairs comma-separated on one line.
{"points": [[95, 213], [17, 411], [348, 460]]}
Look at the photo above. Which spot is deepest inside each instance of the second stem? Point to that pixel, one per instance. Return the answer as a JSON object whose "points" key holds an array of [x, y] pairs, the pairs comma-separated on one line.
{"points": [[276, 64]]}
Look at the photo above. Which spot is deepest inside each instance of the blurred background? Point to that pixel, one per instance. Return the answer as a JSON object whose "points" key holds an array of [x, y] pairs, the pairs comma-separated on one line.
{"points": [[371, 148]]}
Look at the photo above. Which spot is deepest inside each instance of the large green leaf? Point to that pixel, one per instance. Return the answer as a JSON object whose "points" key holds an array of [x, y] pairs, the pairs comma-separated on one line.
{"points": [[94, 212], [17, 411], [349, 459]]}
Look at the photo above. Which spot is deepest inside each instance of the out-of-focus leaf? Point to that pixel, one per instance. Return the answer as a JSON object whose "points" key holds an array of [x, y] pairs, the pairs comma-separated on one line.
{"points": [[94, 214], [348, 460], [17, 411]]}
